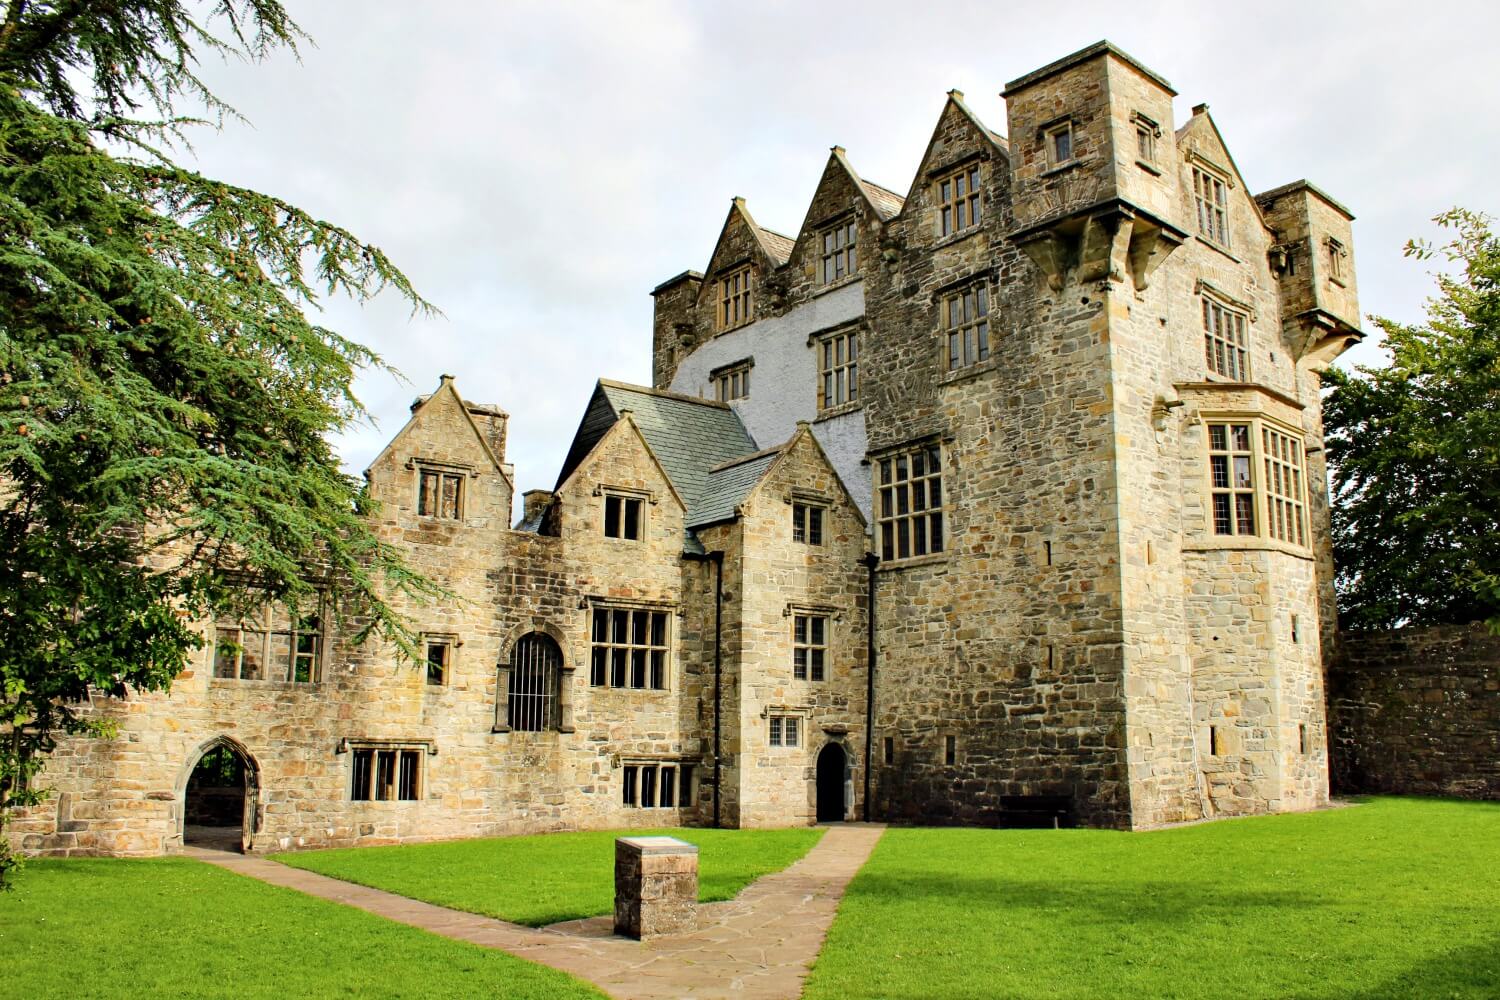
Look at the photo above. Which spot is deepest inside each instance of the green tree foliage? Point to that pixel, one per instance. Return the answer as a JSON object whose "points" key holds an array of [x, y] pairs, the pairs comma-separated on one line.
{"points": [[165, 399], [1415, 451]]}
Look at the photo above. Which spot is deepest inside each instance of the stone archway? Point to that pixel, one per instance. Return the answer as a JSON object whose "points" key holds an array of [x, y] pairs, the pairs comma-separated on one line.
{"points": [[221, 797], [832, 783]]}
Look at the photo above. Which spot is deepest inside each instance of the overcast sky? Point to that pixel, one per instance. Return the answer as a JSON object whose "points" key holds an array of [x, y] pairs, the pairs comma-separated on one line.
{"points": [[536, 168]]}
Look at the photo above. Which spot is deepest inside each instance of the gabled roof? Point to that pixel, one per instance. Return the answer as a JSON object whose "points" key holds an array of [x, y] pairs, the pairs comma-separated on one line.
{"points": [[446, 389], [778, 245], [687, 436], [885, 201], [729, 485], [956, 102], [1192, 125]]}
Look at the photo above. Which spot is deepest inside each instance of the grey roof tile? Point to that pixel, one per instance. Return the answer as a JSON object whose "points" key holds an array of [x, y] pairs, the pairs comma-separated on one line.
{"points": [[728, 486]]}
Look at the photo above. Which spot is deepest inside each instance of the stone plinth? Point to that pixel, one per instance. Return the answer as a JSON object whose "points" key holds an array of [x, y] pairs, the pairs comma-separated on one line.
{"points": [[656, 886]]}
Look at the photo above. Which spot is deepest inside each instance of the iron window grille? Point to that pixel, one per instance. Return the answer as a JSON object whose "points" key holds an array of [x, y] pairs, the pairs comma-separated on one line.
{"points": [[535, 669]]}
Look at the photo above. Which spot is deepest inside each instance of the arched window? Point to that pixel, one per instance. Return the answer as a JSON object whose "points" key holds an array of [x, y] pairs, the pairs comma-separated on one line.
{"points": [[534, 669]]}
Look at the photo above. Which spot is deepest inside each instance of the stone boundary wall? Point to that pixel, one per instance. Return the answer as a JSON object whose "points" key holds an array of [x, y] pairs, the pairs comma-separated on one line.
{"points": [[1416, 711]]}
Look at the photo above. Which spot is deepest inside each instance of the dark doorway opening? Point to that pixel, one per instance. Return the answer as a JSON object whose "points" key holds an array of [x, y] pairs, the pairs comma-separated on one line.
{"points": [[833, 773], [219, 804]]}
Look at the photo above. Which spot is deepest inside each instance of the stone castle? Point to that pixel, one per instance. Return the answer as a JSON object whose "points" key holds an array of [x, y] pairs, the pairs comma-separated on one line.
{"points": [[1002, 501]]}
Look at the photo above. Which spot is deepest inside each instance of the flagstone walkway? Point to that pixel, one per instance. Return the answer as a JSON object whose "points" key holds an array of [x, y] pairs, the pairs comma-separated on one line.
{"points": [[757, 946]]}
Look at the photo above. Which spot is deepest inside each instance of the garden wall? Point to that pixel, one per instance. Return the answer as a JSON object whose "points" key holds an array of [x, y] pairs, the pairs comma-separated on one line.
{"points": [[1416, 711]]}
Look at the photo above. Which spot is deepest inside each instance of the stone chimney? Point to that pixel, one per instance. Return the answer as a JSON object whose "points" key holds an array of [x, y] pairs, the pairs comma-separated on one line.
{"points": [[534, 503]]}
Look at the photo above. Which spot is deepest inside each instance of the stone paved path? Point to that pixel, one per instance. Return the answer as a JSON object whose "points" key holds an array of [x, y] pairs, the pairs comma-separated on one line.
{"points": [[757, 946]]}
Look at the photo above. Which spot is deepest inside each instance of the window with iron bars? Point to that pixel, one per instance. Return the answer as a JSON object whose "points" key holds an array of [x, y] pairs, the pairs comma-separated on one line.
{"points": [[535, 669]]}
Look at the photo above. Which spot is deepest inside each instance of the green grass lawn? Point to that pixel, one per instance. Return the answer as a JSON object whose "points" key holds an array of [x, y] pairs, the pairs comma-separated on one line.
{"points": [[551, 877], [1391, 898], [171, 927]]}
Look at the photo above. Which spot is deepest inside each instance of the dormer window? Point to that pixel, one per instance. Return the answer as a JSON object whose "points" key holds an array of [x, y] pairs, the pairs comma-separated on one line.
{"points": [[839, 258], [1211, 194], [736, 304], [440, 494], [958, 201], [1060, 144]]}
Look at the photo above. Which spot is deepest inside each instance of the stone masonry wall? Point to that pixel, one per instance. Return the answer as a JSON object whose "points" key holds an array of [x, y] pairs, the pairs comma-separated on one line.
{"points": [[1416, 711]]}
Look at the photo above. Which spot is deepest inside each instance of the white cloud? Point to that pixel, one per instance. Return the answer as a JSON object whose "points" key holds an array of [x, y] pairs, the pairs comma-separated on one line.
{"points": [[537, 168]]}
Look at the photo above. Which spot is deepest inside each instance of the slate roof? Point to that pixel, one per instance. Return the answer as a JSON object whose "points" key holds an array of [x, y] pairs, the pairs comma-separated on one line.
{"points": [[778, 245], [689, 436], [727, 487], [887, 202]]}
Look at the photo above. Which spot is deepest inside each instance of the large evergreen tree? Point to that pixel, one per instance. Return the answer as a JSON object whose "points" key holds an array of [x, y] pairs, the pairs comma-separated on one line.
{"points": [[1415, 451], [165, 400]]}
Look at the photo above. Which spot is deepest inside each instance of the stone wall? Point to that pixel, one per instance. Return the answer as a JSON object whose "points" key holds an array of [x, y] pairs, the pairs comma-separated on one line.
{"points": [[1416, 711]]}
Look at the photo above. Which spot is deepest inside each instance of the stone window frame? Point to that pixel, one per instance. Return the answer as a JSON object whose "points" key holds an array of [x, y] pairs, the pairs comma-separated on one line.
{"points": [[732, 381], [979, 324], [734, 301], [1211, 186], [1058, 140], [399, 752], [954, 206], [1147, 132], [633, 782], [838, 250], [442, 474], [447, 641], [784, 731], [1280, 513], [815, 669], [1226, 335], [1337, 255], [602, 672], [267, 630], [887, 479], [628, 498], [837, 357], [807, 529]]}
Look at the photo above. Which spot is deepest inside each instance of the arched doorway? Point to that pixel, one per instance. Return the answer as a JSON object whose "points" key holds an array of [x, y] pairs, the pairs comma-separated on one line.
{"points": [[220, 800], [833, 775]]}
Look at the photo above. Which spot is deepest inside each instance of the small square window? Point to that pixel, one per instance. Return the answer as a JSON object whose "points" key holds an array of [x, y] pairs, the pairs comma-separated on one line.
{"points": [[785, 731], [1060, 144], [439, 661], [807, 524], [440, 494], [623, 517]]}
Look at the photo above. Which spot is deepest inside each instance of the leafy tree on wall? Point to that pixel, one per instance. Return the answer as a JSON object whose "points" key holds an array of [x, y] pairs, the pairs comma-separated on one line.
{"points": [[1415, 451], [165, 401]]}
